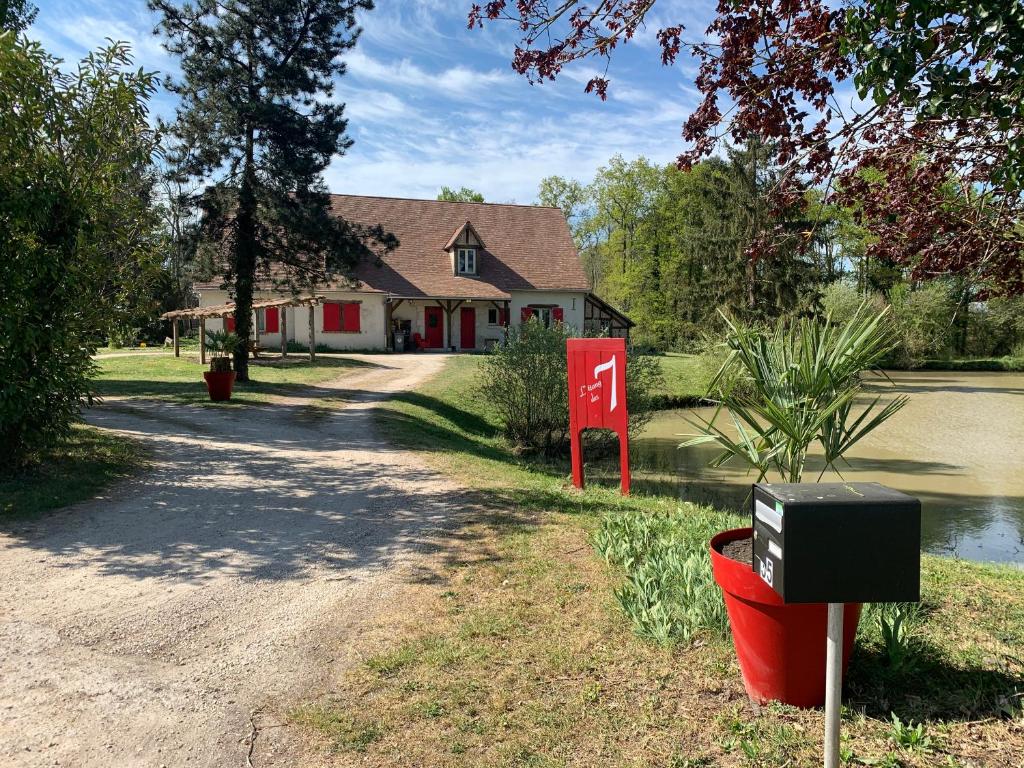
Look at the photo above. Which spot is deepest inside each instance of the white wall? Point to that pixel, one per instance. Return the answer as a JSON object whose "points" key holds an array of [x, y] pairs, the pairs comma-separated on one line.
{"points": [[571, 302], [371, 320], [372, 317], [413, 311]]}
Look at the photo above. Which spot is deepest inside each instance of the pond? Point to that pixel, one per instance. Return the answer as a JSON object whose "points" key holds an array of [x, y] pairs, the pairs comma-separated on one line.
{"points": [[958, 445]]}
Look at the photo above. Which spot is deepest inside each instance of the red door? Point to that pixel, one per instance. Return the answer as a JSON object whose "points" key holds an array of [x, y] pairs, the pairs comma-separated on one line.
{"points": [[467, 327], [433, 319]]}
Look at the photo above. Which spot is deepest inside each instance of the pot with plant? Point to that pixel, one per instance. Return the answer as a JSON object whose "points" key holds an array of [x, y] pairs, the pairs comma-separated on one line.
{"points": [[220, 379], [778, 394]]}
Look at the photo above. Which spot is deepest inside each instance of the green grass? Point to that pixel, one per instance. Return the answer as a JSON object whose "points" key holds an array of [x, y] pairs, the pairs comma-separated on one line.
{"points": [[88, 462], [180, 379], [519, 652], [976, 364], [686, 379]]}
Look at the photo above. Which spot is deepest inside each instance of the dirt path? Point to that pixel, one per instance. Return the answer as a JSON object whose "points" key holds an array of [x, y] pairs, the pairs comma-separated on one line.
{"points": [[147, 628]]}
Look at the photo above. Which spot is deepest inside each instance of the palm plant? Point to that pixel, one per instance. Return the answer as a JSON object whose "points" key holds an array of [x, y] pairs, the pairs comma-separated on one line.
{"points": [[222, 345], [787, 389]]}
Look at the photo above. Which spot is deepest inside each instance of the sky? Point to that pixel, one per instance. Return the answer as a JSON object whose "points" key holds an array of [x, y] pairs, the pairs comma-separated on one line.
{"points": [[432, 103]]}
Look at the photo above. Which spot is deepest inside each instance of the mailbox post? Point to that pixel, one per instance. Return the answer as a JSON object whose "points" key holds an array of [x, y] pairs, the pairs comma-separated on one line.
{"points": [[837, 543]]}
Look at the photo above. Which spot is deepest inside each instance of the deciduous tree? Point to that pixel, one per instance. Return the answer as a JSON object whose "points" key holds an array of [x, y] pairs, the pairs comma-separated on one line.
{"points": [[78, 241], [461, 195], [941, 115]]}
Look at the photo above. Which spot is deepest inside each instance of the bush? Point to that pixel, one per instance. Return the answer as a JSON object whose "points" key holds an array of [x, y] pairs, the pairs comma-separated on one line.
{"points": [[996, 328], [923, 320], [77, 230], [841, 301], [526, 379], [669, 593]]}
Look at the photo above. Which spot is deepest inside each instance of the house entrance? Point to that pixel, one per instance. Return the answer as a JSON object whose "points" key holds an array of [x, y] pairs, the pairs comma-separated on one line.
{"points": [[433, 322], [467, 328]]}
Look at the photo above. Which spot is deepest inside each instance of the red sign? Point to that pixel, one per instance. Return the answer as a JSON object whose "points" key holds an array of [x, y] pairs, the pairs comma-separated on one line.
{"points": [[597, 398]]}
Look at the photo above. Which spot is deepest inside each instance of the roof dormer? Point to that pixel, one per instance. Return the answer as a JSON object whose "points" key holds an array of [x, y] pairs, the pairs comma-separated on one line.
{"points": [[465, 246]]}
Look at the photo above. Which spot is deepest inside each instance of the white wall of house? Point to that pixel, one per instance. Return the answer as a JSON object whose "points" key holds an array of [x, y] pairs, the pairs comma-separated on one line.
{"points": [[485, 332], [371, 321], [571, 302], [372, 317]]}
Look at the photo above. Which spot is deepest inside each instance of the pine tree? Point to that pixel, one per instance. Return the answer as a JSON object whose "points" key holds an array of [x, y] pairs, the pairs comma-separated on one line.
{"points": [[257, 120]]}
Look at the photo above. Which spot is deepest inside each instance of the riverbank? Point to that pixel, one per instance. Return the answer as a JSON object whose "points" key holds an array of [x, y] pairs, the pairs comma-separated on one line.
{"points": [[520, 653]]}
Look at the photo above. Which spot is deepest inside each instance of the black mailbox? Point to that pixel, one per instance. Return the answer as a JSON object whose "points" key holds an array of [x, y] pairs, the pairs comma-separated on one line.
{"points": [[837, 542]]}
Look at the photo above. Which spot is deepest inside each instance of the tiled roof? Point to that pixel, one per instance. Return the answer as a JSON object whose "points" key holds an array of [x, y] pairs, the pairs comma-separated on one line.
{"points": [[525, 247]]}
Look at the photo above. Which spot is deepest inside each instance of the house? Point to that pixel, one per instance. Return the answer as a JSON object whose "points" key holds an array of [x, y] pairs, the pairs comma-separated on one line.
{"points": [[461, 273]]}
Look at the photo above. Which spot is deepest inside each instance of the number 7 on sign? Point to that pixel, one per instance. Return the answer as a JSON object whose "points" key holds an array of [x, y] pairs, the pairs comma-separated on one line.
{"points": [[604, 367]]}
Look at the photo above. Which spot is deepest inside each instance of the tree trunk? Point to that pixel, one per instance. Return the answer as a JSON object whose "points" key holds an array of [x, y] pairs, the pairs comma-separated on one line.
{"points": [[245, 262]]}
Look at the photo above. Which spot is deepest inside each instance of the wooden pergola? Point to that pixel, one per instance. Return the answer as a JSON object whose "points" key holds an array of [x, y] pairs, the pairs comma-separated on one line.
{"points": [[226, 310]]}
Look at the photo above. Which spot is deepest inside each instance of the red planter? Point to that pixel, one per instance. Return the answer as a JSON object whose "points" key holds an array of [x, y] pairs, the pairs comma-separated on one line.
{"points": [[781, 648], [219, 384]]}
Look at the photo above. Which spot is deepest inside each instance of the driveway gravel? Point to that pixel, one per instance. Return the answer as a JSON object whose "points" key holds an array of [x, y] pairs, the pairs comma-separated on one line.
{"points": [[167, 622]]}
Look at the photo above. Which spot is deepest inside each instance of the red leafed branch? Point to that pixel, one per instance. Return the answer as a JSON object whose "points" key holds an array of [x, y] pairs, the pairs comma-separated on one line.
{"points": [[930, 160]]}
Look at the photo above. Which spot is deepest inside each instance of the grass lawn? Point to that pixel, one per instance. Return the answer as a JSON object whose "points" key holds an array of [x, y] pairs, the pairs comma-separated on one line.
{"points": [[180, 379], [976, 364], [90, 460], [686, 379], [517, 653]]}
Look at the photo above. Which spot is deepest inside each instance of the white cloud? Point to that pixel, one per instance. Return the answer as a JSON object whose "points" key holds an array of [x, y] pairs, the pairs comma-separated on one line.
{"points": [[454, 81]]}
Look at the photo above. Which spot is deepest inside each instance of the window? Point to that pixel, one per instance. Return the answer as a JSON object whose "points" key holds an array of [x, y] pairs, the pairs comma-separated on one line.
{"points": [[466, 261], [546, 315], [267, 320], [495, 316], [341, 317]]}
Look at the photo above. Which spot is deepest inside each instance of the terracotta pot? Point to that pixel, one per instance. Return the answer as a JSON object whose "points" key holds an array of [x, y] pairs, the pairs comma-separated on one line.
{"points": [[219, 384], [780, 647]]}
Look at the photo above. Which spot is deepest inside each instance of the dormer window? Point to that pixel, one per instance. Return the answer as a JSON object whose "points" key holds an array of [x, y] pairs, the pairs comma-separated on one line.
{"points": [[463, 247], [466, 261]]}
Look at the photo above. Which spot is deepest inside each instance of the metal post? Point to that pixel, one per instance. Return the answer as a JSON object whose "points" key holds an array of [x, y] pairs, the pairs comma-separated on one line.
{"points": [[283, 327], [312, 336], [833, 683], [174, 332]]}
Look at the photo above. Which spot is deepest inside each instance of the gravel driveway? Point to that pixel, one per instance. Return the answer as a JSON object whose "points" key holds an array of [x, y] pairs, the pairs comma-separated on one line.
{"points": [[159, 625]]}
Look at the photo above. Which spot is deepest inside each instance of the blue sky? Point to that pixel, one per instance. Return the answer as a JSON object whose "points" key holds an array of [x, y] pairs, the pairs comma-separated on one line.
{"points": [[432, 103]]}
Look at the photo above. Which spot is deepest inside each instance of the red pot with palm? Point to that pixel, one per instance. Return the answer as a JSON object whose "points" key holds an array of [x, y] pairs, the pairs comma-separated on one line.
{"points": [[220, 379], [784, 390]]}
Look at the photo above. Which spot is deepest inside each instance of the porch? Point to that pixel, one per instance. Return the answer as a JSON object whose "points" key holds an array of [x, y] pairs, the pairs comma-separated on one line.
{"points": [[445, 324]]}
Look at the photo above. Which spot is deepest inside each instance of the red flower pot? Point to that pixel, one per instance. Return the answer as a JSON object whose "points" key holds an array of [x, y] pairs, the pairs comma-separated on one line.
{"points": [[781, 648], [219, 384]]}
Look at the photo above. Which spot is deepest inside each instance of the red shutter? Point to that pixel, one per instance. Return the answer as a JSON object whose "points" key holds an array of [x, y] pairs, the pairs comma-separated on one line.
{"points": [[229, 324], [502, 320], [350, 317], [270, 320], [558, 314], [332, 316], [525, 314]]}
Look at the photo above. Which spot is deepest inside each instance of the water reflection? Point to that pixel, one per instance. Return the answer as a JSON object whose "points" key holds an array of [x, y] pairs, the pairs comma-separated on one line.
{"points": [[958, 446]]}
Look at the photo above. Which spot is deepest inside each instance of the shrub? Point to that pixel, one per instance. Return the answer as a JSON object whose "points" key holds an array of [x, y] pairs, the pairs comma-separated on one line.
{"points": [[526, 379], [923, 321], [996, 328], [76, 240], [841, 301]]}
